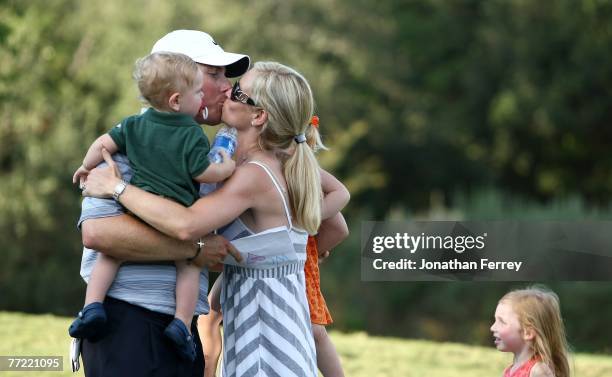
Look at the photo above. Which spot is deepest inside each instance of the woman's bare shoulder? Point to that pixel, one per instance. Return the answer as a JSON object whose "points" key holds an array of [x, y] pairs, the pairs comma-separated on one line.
{"points": [[248, 179]]}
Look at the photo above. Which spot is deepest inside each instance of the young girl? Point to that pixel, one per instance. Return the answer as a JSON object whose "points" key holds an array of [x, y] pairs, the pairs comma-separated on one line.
{"points": [[333, 231], [528, 323]]}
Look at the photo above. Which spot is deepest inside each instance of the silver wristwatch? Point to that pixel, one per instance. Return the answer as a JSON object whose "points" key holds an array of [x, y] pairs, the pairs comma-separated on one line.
{"points": [[119, 189]]}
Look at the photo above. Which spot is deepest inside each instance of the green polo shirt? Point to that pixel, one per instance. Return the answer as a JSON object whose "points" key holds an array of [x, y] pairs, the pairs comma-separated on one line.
{"points": [[166, 151]]}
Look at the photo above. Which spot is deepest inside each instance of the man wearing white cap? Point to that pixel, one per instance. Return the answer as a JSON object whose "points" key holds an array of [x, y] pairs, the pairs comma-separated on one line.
{"points": [[216, 64], [141, 301]]}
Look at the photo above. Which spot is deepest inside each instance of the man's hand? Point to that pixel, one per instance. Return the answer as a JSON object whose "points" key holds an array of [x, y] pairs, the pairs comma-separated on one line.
{"points": [[215, 250]]}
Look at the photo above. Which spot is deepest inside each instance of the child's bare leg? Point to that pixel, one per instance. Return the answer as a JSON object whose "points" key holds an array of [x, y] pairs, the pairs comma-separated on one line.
{"points": [[102, 276], [328, 360], [92, 318], [187, 291], [210, 332]]}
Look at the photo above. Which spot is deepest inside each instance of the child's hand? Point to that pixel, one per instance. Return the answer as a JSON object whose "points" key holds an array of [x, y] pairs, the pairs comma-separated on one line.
{"points": [[80, 175], [323, 256], [228, 164]]}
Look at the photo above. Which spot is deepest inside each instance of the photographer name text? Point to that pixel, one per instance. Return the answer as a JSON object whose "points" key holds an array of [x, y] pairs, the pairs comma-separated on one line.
{"points": [[428, 245]]}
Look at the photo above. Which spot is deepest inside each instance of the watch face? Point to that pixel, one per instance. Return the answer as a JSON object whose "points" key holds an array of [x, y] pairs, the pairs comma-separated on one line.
{"points": [[119, 189]]}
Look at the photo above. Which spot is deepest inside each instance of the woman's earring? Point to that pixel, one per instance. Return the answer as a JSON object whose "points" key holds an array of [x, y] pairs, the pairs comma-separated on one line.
{"points": [[205, 112]]}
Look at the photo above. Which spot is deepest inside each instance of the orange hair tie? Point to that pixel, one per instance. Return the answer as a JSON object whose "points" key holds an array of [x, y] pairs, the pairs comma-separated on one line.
{"points": [[315, 121]]}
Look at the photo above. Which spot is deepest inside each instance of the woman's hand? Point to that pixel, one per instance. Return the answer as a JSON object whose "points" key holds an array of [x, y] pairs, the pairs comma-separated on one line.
{"points": [[101, 182], [214, 251]]}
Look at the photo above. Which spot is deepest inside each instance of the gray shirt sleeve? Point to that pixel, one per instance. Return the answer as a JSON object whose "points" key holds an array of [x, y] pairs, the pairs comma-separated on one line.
{"points": [[93, 208]]}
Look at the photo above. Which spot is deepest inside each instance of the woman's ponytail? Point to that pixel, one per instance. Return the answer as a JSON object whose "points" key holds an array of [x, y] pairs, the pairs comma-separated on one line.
{"points": [[287, 98], [304, 185]]}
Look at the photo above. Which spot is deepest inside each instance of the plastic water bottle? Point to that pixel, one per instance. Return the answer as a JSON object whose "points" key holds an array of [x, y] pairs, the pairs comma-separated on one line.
{"points": [[225, 139]]}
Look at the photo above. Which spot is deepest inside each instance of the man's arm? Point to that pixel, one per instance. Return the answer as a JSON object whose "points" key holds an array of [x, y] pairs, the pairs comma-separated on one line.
{"points": [[127, 238]]}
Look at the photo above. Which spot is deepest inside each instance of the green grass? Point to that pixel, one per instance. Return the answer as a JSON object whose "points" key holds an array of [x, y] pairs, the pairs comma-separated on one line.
{"points": [[362, 355]]}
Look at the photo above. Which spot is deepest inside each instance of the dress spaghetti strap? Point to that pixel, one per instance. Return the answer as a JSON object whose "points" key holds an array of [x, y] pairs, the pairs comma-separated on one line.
{"points": [[278, 188]]}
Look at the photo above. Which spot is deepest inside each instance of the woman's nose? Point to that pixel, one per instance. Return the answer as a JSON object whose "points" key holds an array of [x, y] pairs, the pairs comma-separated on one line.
{"points": [[227, 92]]}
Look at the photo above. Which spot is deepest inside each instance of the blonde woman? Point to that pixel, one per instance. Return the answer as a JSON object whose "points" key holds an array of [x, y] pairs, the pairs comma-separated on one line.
{"points": [[272, 201]]}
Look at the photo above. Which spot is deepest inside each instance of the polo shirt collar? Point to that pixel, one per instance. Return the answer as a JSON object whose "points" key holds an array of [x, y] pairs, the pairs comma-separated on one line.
{"points": [[170, 119]]}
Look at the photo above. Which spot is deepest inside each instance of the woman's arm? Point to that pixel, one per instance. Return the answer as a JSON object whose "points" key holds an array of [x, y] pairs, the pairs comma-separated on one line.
{"points": [[336, 196], [204, 216]]}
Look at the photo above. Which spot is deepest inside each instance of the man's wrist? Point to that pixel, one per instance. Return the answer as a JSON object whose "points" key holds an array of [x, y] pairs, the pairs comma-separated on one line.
{"points": [[119, 189], [200, 245]]}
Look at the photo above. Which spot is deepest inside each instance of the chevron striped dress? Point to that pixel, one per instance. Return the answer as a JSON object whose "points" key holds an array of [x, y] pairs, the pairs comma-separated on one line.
{"points": [[266, 321]]}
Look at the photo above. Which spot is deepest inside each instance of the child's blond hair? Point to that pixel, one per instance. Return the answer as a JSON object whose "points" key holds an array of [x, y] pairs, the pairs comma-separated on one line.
{"points": [[287, 98], [160, 74], [538, 309]]}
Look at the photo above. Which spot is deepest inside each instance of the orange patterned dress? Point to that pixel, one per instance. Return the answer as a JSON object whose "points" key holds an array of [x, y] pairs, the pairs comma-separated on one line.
{"points": [[319, 314]]}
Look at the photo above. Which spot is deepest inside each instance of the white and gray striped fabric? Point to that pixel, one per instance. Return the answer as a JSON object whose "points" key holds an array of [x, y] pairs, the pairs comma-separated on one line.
{"points": [[266, 320]]}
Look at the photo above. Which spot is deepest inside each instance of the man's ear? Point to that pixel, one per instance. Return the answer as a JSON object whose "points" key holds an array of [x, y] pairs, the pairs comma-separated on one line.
{"points": [[173, 102], [260, 117]]}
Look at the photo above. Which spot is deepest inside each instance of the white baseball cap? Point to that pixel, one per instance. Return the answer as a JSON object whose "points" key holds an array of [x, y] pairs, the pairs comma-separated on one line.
{"points": [[202, 48]]}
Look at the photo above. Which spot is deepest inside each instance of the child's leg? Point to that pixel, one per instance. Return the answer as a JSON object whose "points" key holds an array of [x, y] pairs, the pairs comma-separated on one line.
{"points": [[210, 332], [328, 360], [187, 291], [92, 318], [102, 276]]}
